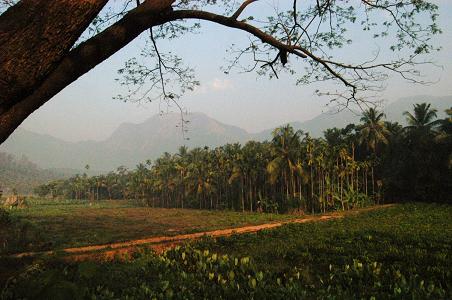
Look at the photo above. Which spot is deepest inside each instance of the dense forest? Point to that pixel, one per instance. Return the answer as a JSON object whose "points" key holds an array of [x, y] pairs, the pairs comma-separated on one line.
{"points": [[374, 161], [21, 174]]}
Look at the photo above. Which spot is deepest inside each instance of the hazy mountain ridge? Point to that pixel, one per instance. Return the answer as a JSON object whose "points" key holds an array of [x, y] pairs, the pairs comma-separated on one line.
{"points": [[128, 145], [394, 112], [22, 174], [134, 143]]}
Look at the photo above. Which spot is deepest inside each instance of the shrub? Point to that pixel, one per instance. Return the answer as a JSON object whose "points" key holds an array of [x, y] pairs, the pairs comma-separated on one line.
{"points": [[5, 218]]}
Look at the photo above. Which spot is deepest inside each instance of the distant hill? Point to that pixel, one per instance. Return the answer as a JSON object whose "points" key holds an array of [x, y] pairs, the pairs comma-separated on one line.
{"points": [[128, 145], [394, 112], [21, 174], [134, 143]]}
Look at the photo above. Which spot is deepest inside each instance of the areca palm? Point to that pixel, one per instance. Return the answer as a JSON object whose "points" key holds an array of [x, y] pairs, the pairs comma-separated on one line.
{"points": [[199, 177], [182, 168], [110, 183], [254, 165], [238, 175], [141, 175]]}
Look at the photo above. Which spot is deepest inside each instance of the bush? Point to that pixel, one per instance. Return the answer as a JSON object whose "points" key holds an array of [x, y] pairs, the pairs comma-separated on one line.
{"points": [[5, 218]]}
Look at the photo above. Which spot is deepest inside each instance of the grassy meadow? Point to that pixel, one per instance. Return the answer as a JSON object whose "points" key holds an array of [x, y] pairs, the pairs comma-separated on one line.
{"points": [[398, 252], [57, 224]]}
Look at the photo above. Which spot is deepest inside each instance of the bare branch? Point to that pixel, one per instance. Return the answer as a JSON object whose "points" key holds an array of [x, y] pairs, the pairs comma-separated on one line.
{"points": [[242, 8]]}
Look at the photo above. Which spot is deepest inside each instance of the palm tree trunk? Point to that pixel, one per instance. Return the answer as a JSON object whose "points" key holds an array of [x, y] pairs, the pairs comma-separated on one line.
{"points": [[312, 191], [242, 195], [365, 178], [299, 194], [373, 182]]}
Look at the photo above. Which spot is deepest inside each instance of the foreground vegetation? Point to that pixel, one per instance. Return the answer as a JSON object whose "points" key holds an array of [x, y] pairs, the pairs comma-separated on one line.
{"points": [[398, 252]]}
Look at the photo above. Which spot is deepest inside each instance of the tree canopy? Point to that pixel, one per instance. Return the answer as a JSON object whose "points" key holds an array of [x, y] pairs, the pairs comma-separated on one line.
{"points": [[41, 54]]}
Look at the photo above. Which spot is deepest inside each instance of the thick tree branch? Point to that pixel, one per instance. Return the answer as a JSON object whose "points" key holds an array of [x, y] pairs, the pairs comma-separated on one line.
{"points": [[241, 9], [232, 23], [266, 38], [85, 57], [31, 46]]}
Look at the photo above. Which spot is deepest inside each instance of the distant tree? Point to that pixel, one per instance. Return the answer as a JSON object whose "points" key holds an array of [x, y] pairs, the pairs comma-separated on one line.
{"points": [[423, 119], [373, 132], [415, 164], [373, 129], [285, 150]]}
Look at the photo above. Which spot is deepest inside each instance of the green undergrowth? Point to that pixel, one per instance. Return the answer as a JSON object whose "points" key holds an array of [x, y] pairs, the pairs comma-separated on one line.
{"points": [[410, 234], [402, 252]]}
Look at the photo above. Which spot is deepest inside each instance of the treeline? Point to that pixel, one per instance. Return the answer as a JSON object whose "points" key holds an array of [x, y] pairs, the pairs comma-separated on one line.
{"points": [[374, 161], [22, 175]]}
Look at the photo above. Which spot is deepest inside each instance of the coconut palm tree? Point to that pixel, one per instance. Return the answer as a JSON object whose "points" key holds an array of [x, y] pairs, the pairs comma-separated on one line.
{"points": [[285, 150], [373, 129], [373, 133], [423, 118]]}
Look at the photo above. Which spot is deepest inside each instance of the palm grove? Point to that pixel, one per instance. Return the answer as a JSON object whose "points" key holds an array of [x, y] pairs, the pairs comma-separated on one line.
{"points": [[374, 161]]}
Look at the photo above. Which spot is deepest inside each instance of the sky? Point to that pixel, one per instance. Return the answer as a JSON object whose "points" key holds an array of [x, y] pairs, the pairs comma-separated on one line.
{"points": [[86, 109]]}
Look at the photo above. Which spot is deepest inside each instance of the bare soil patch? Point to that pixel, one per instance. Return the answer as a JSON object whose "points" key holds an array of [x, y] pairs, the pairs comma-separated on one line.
{"points": [[159, 244]]}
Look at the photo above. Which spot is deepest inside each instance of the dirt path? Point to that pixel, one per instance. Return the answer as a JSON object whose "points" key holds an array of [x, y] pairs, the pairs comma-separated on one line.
{"points": [[159, 244]]}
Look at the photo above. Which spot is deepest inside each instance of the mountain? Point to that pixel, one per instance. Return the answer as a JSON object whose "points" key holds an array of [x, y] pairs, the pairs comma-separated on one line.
{"points": [[395, 109], [394, 112], [131, 143], [49, 152], [22, 174], [162, 133]]}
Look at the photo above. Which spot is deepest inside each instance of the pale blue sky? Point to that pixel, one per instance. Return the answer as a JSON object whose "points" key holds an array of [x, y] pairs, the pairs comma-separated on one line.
{"points": [[86, 110]]}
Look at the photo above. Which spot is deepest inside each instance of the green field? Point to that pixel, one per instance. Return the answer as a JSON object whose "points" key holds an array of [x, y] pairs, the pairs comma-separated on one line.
{"points": [[400, 252], [53, 225], [416, 234]]}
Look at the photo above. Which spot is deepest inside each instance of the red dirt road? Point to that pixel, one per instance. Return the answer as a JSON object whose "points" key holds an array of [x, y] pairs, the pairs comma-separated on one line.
{"points": [[162, 243]]}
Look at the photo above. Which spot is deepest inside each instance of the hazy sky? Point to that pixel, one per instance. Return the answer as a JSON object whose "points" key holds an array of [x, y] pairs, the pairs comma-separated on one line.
{"points": [[86, 110]]}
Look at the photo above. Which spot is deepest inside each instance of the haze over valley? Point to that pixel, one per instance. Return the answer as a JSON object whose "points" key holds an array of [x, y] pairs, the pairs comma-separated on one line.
{"points": [[131, 143]]}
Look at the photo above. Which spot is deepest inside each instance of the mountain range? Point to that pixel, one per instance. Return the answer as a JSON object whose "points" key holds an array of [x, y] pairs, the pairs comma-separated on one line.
{"points": [[133, 143], [21, 174]]}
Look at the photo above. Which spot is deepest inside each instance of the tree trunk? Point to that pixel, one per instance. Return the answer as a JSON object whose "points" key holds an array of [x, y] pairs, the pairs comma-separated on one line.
{"points": [[312, 191], [36, 62], [300, 204], [373, 181], [34, 36], [250, 193], [242, 195]]}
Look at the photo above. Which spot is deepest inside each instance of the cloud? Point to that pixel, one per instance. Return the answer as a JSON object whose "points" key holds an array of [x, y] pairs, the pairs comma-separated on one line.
{"points": [[214, 85], [220, 84], [199, 90]]}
